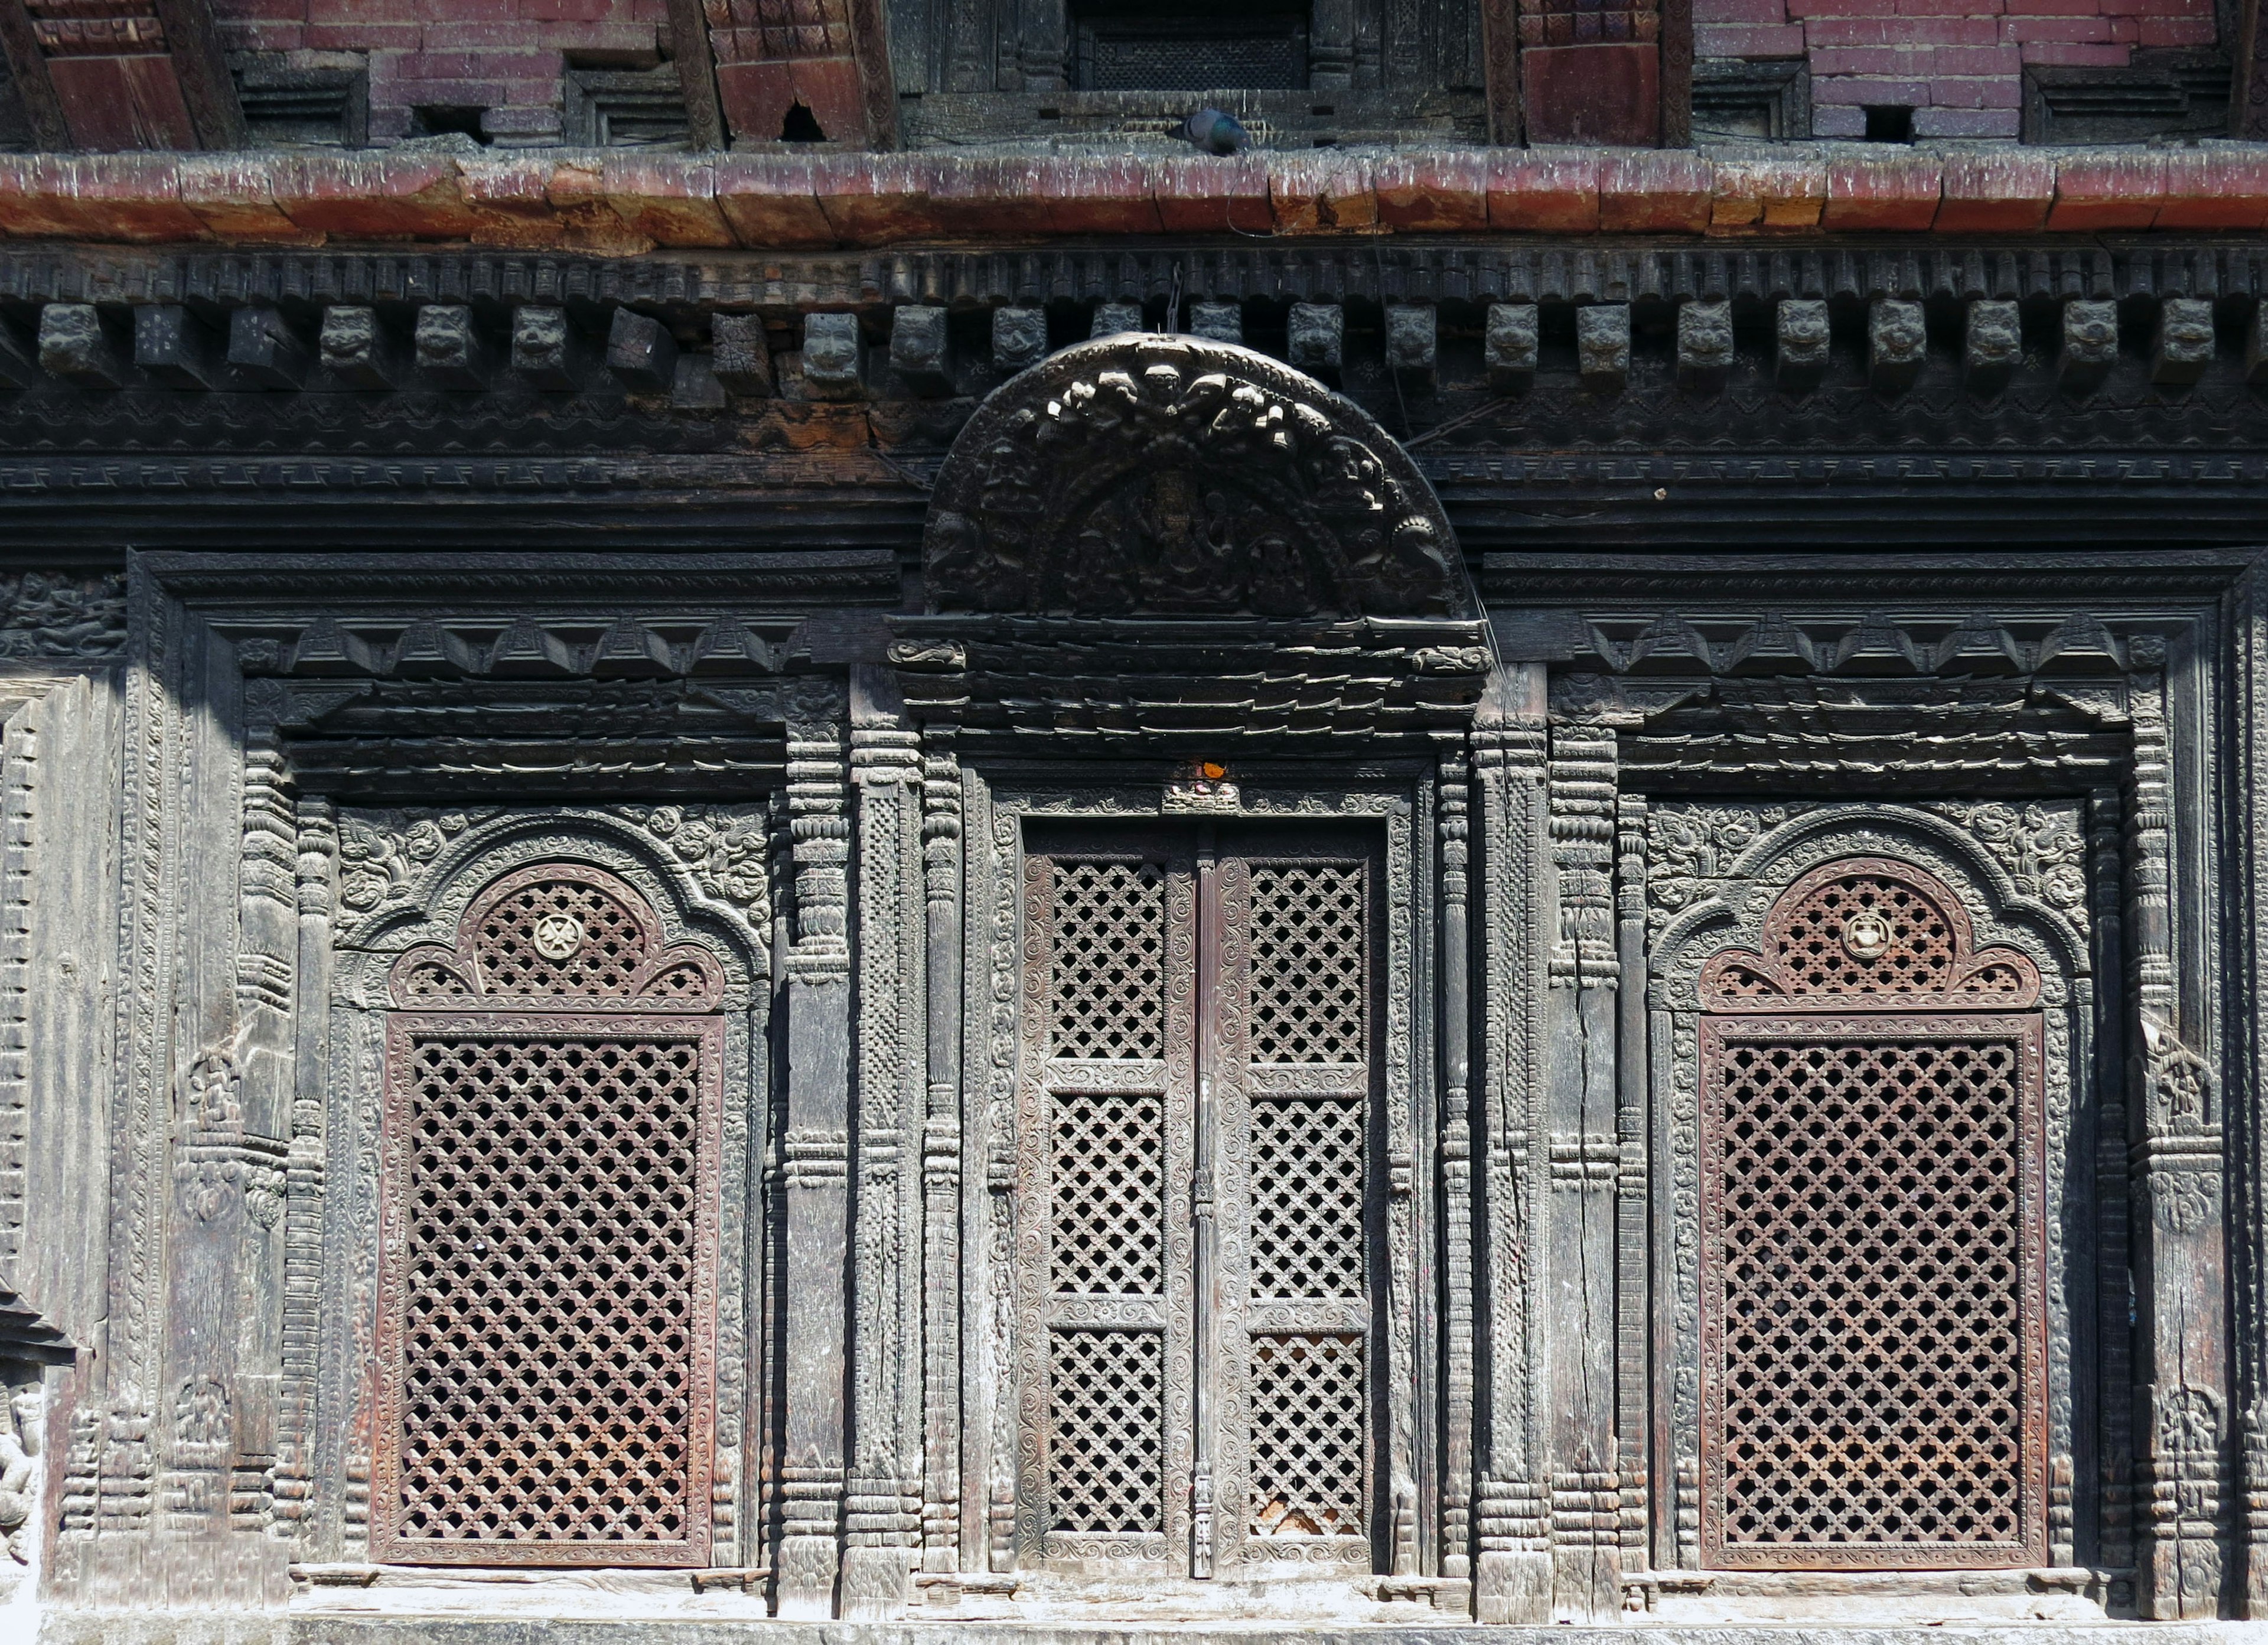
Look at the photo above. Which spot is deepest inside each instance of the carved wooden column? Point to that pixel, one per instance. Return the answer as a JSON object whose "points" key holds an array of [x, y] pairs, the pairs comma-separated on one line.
{"points": [[1456, 1157], [2113, 1208], [2176, 1133], [883, 1504], [1576, 1246], [2249, 1147], [815, 1176], [942, 1547], [315, 880], [1633, 1288], [1512, 1575]]}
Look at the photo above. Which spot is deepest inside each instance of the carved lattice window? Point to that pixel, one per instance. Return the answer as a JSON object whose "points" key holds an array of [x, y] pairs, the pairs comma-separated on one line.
{"points": [[1874, 1356], [549, 1235], [1196, 1123]]}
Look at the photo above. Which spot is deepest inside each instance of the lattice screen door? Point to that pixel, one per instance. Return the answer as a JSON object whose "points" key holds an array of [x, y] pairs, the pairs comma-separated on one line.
{"points": [[547, 1311], [1873, 1349], [1195, 1203]]}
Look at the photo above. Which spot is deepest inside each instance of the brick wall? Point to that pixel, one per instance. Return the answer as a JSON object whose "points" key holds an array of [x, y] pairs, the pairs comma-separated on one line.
{"points": [[504, 57], [1958, 64]]}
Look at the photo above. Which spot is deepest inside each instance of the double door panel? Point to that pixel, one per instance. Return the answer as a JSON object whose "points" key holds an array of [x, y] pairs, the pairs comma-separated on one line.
{"points": [[1197, 1204]]}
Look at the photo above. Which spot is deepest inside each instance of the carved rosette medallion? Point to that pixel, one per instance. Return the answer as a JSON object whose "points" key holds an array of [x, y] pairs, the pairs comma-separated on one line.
{"points": [[1169, 475]]}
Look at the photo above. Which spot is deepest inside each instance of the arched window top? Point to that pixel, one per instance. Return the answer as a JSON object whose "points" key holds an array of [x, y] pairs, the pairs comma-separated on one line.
{"points": [[1869, 933], [559, 936]]}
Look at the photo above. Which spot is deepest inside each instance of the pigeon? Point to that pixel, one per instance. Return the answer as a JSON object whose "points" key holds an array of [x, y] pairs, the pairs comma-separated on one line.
{"points": [[1213, 131]]}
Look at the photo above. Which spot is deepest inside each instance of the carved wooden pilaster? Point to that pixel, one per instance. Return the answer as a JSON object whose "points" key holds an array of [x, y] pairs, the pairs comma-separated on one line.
{"points": [[883, 1504], [1633, 1288], [941, 1132], [815, 1160], [2177, 1131], [1454, 821], [1512, 1574], [315, 883], [2249, 1140], [2115, 1513], [1577, 1244]]}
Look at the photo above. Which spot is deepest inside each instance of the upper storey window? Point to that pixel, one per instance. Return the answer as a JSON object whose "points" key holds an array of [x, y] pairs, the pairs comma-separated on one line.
{"points": [[1122, 47]]}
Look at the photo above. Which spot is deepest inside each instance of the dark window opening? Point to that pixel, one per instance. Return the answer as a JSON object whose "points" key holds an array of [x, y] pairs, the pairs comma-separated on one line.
{"points": [[625, 109], [434, 120], [802, 126], [1888, 122], [2159, 94], [1768, 100], [286, 107], [1122, 47]]}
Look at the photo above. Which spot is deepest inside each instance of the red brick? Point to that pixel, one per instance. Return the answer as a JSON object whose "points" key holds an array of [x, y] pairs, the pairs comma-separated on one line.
{"points": [[2205, 190], [1539, 192], [1891, 193], [363, 37], [2124, 30], [1904, 31], [771, 201], [1433, 191], [1318, 190], [1997, 92], [1766, 195], [1967, 123], [1101, 195], [1867, 88], [2177, 31], [1709, 12], [1201, 195], [1996, 192], [2072, 30], [1966, 8], [1653, 191], [2096, 191], [1945, 60], [1783, 41], [2110, 56]]}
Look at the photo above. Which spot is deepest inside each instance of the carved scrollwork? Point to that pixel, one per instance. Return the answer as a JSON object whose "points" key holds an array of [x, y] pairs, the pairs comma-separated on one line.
{"points": [[556, 936], [1167, 474], [46, 614]]}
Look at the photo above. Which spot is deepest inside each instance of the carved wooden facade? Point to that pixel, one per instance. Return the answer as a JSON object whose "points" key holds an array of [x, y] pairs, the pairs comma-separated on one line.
{"points": [[1175, 1016]]}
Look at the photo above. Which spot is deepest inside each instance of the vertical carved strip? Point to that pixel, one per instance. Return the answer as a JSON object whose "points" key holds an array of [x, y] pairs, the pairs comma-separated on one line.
{"points": [[2248, 1142], [1633, 1291], [2112, 1210], [1407, 1308], [1511, 1569], [22, 757], [815, 1160], [941, 1519], [1456, 1152], [303, 1180], [882, 1506], [1585, 1163], [2177, 1133], [995, 1204]]}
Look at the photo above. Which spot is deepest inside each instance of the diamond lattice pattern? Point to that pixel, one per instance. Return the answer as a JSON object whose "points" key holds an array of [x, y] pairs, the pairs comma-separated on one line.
{"points": [[1872, 1347], [1108, 960], [1308, 1425], [1310, 986], [549, 1297], [1306, 1198], [1918, 958], [1108, 1198], [1106, 1462], [607, 942]]}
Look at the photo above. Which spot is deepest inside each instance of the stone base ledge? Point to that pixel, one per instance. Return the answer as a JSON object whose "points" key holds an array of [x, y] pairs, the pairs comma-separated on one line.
{"points": [[155, 1628], [610, 203]]}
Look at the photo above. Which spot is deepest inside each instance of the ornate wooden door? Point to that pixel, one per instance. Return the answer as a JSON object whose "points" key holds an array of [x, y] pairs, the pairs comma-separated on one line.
{"points": [[1197, 1202]]}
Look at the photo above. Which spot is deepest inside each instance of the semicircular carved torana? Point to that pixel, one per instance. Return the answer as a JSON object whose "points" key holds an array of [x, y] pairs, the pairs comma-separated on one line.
{"points": [[559, 936], [1869, 933], [1171, 476]]}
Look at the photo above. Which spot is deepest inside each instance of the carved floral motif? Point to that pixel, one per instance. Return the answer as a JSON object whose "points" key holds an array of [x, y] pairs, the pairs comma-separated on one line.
{"points": [[1169, 475]]}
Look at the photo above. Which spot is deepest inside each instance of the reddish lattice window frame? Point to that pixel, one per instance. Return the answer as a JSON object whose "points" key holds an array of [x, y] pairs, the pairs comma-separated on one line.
{"points": [[571, 1072], [1872, 1161]]}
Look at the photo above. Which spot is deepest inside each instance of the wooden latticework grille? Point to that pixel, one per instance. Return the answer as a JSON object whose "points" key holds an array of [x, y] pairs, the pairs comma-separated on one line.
{"points": [[547, 1318], [1309, 1435], [1109, 961], [1872, 1355], [1106, 1469], [1110, 1191], [1310, 991]]}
